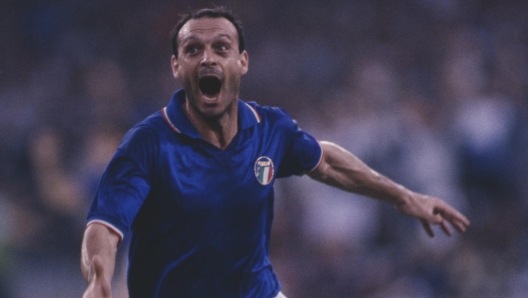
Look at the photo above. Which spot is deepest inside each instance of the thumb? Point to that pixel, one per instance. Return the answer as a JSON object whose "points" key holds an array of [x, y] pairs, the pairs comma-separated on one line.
{"points": [[435, 219]]}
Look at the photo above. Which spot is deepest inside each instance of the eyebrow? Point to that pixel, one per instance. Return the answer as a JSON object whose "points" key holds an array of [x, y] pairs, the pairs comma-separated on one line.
{"points": [[224, 35], [191, 38]]}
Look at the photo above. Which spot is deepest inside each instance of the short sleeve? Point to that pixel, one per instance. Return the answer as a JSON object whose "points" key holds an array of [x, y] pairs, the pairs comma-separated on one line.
{"points": [[125, 183], [303, 152]]}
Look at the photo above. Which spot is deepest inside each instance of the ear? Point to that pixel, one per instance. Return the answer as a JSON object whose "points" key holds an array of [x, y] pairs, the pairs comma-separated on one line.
{"points": [[244, 62], [175, 66]]}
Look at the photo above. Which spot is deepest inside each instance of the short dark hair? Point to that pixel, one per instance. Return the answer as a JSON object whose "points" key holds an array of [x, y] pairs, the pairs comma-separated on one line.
{"points": [[215, 12]]}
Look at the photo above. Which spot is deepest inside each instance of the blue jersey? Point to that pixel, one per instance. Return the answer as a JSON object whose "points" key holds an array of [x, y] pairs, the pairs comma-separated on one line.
{"points": [[200, 217]]}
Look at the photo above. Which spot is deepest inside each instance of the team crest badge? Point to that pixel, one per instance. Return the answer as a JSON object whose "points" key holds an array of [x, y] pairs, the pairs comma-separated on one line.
{"points": [[264, 170]]}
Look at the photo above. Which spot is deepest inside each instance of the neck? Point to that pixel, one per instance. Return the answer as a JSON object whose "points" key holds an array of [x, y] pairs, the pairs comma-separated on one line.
{"points": [[217, 131]]}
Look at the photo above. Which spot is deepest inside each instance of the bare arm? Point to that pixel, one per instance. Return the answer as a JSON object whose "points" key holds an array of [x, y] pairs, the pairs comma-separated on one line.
{"points": [[342, 169], [98, 255]]}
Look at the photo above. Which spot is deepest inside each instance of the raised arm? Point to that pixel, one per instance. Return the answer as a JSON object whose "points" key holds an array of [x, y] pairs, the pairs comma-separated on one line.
{"points": [[342, 169], [98, 255]]}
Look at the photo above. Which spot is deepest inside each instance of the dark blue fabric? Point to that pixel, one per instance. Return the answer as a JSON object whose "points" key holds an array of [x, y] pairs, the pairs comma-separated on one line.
{"points": [[200, 219]]}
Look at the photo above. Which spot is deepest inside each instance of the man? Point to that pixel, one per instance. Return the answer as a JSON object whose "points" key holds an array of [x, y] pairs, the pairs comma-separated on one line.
{"points": [[194, 182]]}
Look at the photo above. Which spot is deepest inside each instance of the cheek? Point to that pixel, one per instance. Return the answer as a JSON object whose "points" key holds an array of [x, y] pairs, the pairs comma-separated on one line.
{"points": [[186, 66], [185, 75], [187, 83], [236, 70], [233, 84]]}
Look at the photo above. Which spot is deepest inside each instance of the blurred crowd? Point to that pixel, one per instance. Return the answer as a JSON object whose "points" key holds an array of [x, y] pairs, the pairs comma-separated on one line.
{"points": [[433, 94]]}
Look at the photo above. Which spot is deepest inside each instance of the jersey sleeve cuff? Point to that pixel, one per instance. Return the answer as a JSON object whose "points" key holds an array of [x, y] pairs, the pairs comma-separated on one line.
{"points": [[320, 158], [108, 225], [318, 162]]}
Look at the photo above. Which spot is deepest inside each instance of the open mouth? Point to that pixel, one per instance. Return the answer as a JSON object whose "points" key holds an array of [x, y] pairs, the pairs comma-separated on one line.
{"points": [[210, 86]]}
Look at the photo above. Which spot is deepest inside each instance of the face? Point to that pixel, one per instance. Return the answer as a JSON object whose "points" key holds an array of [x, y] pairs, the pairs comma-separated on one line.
{"points": [[209, 65]]}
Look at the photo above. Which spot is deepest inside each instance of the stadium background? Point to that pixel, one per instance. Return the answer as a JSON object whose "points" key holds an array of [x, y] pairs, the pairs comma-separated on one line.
{"points": [[432, 93]]}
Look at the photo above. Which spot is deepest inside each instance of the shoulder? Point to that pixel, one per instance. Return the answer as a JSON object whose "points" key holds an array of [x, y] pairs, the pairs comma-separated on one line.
{"points": [[144, 133], [270, 114]]}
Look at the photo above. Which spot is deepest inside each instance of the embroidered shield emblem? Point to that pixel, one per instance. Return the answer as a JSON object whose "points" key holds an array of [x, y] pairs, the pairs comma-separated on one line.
{"points": [[264, 170]]}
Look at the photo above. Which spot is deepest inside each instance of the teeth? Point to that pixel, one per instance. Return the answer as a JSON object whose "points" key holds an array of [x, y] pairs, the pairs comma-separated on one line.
{"points": [[210, 98]]}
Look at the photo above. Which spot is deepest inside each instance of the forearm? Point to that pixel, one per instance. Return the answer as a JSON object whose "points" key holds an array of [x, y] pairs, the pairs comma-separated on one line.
{"points": [[343, 170], [98, 253]]}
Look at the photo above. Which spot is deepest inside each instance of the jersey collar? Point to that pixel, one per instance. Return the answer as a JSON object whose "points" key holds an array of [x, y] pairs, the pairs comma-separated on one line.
{"points": [[177, 119]]}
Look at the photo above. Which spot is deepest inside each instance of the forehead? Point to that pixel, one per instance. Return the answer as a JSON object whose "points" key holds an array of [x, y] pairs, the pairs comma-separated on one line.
{"points": [[207, 27]]}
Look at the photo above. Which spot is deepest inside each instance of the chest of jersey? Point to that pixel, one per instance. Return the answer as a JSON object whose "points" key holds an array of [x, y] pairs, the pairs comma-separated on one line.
{"points": [[201, 181]]}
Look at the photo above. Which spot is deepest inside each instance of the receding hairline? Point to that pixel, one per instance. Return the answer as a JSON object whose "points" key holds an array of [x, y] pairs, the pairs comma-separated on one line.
{"points": [[234, 30], [216, 12]]}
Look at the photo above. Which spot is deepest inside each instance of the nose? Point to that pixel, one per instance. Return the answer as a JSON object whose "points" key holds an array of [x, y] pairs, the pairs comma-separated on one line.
{"points": [[208, 58]]}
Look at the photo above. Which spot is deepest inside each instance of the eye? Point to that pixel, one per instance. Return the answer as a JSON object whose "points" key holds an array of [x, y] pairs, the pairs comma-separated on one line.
{"points": [[222, 48], [192, 50]]}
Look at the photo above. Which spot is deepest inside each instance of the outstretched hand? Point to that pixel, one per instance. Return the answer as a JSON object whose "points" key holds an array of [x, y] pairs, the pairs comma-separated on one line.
{"points": [[342, 169], [433, 211]]}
